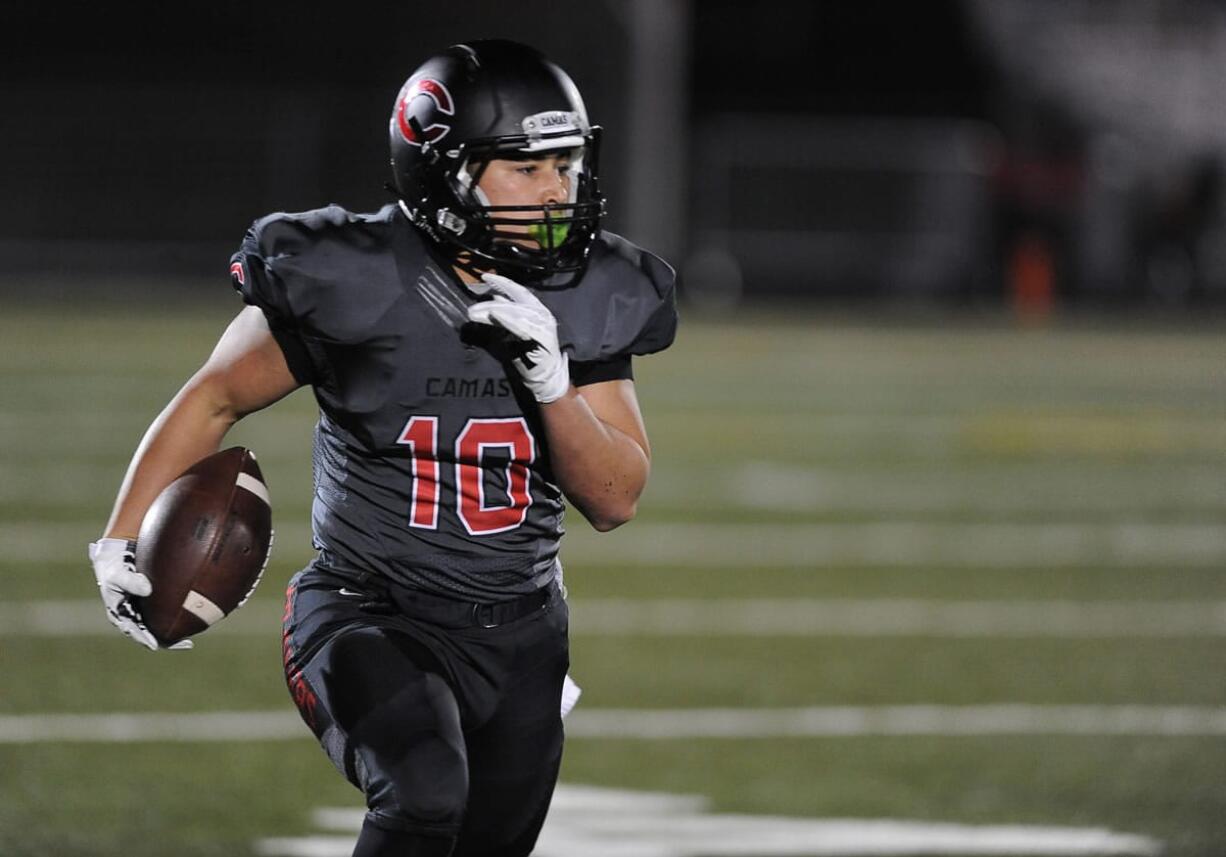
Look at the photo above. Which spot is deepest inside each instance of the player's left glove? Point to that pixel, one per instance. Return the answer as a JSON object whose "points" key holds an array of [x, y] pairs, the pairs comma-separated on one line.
{"points": [[545, 368]]}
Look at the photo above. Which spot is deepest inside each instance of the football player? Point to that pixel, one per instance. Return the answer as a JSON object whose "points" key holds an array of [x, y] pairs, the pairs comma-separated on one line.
{"points": [[469, 346]]}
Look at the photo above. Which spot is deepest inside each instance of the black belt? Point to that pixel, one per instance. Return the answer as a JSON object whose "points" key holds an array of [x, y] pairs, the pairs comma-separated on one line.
{"points": [[391, 598]]}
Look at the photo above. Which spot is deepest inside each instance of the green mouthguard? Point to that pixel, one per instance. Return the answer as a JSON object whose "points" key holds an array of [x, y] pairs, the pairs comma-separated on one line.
{"points": [[542, 233]]}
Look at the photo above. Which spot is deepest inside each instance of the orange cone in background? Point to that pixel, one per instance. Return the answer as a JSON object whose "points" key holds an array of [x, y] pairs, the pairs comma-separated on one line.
{"points": [[1032, 279]]}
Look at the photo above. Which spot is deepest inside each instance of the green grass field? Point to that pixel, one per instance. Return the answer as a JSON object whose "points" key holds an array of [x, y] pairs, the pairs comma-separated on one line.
{"points": [[842, 514]]}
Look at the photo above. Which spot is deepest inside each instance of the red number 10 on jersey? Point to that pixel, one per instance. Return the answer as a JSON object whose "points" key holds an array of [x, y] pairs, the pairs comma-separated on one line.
{"points": [[478, 513]]}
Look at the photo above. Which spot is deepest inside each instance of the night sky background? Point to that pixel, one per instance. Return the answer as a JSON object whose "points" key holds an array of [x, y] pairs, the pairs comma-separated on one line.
{"points": [[182, 123]]}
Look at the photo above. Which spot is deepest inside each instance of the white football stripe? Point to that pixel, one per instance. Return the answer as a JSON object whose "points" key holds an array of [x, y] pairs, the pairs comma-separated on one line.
{"points": [[833, 721], [754, 617], [903, 544], [1074, 491], [896, 720], [893, 617], [981, 546], [600, 822], [255, 486], [203, 608], [139, 728]]}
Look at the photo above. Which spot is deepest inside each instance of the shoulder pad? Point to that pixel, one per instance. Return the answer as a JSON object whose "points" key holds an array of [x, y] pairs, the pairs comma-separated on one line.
{"points": [[625, 304], [288, 260]]}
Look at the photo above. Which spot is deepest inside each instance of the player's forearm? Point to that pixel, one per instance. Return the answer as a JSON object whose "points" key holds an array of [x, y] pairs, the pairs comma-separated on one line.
{"points": [[189, 428], [601, 469]]}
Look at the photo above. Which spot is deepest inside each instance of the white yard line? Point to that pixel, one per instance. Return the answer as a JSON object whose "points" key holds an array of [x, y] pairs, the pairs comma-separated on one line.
{"points": [[667, 724], [124, 728], [753, 617], [1008, 490], [898, 617], [899, 720], [906, 544], [67, 542], [599, 822]]}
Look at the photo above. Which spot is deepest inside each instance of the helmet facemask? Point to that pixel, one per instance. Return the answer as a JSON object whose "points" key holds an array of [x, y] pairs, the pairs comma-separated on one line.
{"points": [[532, 242]]}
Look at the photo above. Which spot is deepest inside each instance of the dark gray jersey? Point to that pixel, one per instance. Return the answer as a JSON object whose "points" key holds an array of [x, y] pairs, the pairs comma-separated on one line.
{"points": [[430, 461]]}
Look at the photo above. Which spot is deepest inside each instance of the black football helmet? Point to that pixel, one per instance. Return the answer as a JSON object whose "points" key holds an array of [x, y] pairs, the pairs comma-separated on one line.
{"points": [[490, 99]]}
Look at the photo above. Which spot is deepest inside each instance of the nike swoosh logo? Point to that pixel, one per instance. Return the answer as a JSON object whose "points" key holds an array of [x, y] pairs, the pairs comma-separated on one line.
{"points": [[350, 592]]}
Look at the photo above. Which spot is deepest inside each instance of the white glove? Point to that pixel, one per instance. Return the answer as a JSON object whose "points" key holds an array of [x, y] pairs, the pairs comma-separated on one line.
{"points": [[115, 570], [545, 368]]}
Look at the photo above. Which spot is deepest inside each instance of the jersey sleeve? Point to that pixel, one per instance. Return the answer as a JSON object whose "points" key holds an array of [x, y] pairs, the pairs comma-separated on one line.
{"points": [[617, 368], [257, 282], [659, 329], [624, 306]]}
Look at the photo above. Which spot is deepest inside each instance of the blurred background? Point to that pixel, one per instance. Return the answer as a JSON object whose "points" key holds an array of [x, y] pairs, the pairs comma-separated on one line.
{"points": [[981, 152], [932, 557]]}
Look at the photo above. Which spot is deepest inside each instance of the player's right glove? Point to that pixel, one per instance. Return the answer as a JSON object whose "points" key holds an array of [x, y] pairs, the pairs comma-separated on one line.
{"points": [[115, 570], [545, 368]]}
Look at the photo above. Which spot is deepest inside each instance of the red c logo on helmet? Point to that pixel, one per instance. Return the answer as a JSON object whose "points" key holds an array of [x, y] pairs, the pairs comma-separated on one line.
{"points": [[438, 100]]}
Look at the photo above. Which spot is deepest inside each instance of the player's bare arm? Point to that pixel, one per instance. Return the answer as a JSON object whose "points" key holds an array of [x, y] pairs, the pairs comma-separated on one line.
{"points": [[600, 450], [596, 436], [246, 372]]}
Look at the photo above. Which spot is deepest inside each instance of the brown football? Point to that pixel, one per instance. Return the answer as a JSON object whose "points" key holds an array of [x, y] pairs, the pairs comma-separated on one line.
{"points": [[204, 544]]}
